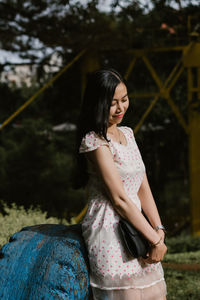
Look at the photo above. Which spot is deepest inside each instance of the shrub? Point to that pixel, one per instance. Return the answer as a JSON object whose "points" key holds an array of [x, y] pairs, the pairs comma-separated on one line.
{"points": [[183, 243], [16, 218]]}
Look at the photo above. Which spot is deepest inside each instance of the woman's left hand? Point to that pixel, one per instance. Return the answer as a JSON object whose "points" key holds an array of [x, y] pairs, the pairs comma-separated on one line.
{"points": [[149, 260], [156, 253]]}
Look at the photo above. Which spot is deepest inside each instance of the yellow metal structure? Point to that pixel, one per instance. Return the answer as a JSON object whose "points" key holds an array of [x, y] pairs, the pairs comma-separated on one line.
{"points": [[42, 89], [77, 219], [190, 61], [164, 88], [89, 63]]}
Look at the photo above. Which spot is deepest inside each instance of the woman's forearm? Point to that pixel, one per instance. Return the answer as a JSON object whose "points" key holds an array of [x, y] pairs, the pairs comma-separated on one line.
{"points": [[148, 203], [128, 210]]}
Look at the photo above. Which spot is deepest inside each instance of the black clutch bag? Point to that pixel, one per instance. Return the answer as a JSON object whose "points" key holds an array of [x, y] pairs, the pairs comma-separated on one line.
{"points": [[134, 241]]}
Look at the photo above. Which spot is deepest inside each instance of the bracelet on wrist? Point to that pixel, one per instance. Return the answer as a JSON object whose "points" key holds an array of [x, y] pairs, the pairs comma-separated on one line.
{"points": [[160, 227], [154, 245]]}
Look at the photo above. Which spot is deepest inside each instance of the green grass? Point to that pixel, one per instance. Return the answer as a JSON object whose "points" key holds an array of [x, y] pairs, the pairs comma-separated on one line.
{"points": [[182, 285], [192, 257], [183, 243]]}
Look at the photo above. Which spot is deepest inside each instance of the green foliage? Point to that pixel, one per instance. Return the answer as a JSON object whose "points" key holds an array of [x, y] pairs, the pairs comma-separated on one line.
{"points": [[185, 257], [180, 284], [36, 169], [35, 163], [71, 25], [183, 243], [17, 217], [10, 100], [183, 285]]}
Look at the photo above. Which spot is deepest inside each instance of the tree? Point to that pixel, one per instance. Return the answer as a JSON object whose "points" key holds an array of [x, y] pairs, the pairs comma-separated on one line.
{"points": [[37, 28]]}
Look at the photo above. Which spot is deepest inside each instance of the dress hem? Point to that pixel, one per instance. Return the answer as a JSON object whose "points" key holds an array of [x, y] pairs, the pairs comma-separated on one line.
{"points": [[126, 287]]}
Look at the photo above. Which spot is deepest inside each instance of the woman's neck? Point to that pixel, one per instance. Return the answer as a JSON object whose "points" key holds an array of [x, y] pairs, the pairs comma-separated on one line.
{"points": [[112, 129]]}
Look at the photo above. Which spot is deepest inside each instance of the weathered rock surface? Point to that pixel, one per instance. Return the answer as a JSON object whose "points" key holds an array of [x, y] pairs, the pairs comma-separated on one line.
{"points": [[44, 262]]}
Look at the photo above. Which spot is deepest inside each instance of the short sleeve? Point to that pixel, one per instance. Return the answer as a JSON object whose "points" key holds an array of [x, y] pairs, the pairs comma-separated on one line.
{"points": [[91, 141], [128, 131]]}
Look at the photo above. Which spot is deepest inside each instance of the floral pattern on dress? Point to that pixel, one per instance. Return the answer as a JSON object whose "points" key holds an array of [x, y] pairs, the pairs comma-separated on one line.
{"points": [[110, 265]]}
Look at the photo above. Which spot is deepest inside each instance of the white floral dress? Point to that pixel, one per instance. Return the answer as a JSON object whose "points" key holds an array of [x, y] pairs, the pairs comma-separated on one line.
{"points": [[113, 274]]}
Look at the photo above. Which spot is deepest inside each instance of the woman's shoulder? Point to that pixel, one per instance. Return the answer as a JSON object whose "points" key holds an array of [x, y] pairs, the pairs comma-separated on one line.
{"points": [[91, 141], [127, 130]]}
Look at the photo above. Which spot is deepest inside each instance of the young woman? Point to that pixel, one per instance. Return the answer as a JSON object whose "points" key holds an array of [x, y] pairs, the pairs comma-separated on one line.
{"points": [[112, 167]]}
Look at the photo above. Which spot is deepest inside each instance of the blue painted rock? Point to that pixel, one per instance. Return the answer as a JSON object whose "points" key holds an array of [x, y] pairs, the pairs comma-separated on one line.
{"points": [[44, 262]]}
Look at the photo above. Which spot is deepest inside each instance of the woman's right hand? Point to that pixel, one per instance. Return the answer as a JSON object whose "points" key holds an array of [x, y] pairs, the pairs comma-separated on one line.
{"points": [[156, 253]]}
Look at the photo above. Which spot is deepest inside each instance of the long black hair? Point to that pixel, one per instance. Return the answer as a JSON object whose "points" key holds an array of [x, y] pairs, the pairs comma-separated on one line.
{"points": [[94, 113]]}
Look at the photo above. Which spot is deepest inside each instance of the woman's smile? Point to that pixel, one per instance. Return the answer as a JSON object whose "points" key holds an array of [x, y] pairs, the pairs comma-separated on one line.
{"points": [[119, 116], [112, 168], [119, 104]]}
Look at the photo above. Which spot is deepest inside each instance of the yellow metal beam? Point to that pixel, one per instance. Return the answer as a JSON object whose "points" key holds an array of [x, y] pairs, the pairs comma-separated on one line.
{"points": [[176, 77], [189, 83], [130, 67], [143, 95], [164, 92], [194, 115], [191, 55], [195, 90], [177, 113], [194, 148], [89, 63], [146, 113], [152, 71], [140, 52], [41, 90], [198, 83], [173, 73], [78, 219]]}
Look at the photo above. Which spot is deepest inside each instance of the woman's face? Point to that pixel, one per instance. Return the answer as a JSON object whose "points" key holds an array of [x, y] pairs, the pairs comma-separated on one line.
{"points": [[119, 105]]}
